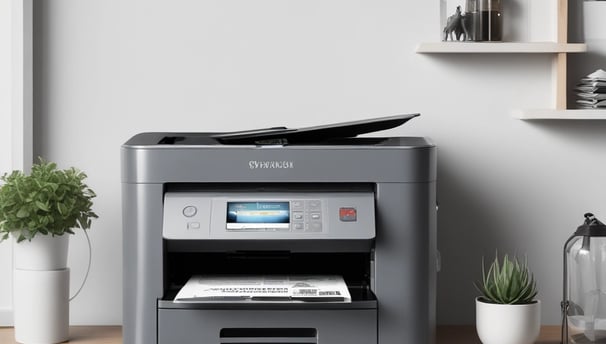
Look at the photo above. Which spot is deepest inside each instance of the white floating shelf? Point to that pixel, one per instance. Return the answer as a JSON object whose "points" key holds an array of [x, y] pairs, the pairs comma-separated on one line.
{"points": [[544, 114], [499, 47]]}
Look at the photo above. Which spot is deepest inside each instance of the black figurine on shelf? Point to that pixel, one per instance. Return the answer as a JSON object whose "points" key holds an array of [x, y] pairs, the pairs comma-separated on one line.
{"points": [[457, 24]]}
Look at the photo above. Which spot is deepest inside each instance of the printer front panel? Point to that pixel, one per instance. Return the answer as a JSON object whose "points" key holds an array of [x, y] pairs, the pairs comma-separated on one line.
{"points": [[243, 232], [269, 216]]}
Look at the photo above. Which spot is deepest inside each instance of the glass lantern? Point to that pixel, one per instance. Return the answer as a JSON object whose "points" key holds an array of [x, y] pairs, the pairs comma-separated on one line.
{"points": [[584, 284]]}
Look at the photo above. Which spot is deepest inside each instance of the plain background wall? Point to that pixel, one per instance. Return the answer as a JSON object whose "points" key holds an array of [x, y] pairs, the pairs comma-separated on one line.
{"points": [[5, 148], [106, 70]]}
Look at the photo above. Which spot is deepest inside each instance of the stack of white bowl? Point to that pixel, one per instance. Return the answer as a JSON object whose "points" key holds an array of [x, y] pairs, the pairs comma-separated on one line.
{"points": [[591, 91]]}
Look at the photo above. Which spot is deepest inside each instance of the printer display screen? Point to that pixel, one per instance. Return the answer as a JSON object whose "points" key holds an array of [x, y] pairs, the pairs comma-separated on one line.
{"points": [[258, 215]]}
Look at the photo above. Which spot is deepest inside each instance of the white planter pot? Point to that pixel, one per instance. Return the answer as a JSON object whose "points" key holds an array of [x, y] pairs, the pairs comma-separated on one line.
{"points": [[41, 306], [41, 290], [508, 324], [42, 253]]}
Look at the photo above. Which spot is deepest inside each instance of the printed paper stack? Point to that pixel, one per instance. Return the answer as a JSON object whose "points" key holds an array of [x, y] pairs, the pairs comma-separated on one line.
{"points": [[592, 90], [298, 288]]}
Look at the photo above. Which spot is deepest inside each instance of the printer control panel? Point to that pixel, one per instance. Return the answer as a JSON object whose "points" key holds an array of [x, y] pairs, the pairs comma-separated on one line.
{"points": [[260, 215], [303, 215]]}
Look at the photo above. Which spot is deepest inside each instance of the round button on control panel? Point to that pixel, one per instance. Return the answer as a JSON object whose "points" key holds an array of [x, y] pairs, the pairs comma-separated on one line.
{"points": [[190, 211]]}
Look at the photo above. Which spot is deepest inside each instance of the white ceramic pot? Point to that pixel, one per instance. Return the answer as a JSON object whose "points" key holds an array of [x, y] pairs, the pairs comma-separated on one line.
{"points": [[42, 253], [508, 324], [41, 306], [41, 290]]}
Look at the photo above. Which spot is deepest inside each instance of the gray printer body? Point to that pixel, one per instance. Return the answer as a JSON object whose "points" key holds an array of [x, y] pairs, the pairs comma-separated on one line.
{"points": [[364, 209]]}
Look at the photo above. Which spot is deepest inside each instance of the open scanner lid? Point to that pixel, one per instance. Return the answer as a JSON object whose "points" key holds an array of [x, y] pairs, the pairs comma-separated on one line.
{"points": [[322, 133]]}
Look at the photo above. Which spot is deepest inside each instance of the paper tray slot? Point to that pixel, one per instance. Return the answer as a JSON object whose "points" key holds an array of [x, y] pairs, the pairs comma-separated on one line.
{"points": [[259, 326], [361, 298], [355, 268]]}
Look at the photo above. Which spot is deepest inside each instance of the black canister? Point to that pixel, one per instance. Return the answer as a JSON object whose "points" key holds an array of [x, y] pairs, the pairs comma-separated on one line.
{"points": [[486, 20]]}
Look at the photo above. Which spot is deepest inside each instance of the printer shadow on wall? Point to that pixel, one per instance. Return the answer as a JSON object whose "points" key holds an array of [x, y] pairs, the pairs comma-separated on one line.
{"points": [[467, 230], [470, 227]]}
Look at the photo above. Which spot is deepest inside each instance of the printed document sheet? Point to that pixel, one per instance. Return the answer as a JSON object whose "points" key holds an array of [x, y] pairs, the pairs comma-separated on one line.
{"points": [[302, 288]]}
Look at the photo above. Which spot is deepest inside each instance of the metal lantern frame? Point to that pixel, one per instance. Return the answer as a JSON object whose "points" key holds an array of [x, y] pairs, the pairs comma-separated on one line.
{"points": [[591, 227]]}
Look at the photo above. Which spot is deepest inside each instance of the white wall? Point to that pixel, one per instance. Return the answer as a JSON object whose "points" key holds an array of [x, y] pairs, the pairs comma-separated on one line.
{"points": [[16, 76], [5, 150], [109, 69]]}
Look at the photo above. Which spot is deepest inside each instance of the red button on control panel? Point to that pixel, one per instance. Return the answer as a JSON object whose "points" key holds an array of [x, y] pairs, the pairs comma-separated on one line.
{"points": [[348, 214]]}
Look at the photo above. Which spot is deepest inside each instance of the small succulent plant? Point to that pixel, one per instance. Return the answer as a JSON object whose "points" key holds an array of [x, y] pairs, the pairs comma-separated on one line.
{"points": [[510, 282]]}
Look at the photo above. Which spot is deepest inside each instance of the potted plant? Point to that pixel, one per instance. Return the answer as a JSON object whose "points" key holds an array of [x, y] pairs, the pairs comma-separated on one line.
{"points": [[39, 210], [507, 312]]}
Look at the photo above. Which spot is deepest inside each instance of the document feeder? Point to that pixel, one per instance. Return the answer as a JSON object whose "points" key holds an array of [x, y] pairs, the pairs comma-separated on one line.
{"points": [[281, 204]]}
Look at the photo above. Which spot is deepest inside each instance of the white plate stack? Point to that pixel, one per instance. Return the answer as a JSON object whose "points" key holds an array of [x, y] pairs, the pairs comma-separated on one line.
{"points": [[592, 91]]}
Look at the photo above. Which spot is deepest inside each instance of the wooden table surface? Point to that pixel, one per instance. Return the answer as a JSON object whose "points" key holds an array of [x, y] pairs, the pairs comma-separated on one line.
{"points": [[113, 335], [77, 334], [467, 335]]}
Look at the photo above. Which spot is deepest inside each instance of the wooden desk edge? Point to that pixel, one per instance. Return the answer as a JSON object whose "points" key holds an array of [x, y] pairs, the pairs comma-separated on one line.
{"points": [[77, 334], [446, 334], [466, 334]]}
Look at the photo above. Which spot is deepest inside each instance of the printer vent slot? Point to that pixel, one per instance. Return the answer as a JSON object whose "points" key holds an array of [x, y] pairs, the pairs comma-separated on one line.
{"points": [[269, 336]]}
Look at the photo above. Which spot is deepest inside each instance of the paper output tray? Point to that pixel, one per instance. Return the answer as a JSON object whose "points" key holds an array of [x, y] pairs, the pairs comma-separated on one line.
{"points": [[361, 298]]}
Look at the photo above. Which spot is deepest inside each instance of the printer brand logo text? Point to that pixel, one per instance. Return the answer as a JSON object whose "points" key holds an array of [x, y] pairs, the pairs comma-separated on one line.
{"points": [[255, 164]]}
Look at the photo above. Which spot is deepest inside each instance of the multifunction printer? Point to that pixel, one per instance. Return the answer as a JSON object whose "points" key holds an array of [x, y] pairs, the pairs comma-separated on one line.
{"points": [[281, 202]]}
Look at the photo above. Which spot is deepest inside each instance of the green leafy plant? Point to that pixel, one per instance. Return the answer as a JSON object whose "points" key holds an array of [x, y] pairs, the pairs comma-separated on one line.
{"points": [[507, 283], [48, 201]]}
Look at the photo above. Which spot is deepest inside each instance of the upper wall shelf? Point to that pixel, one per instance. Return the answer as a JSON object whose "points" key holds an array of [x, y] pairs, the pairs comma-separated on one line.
{"points": [[559, 48], [500, 47], [578, 114]]}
